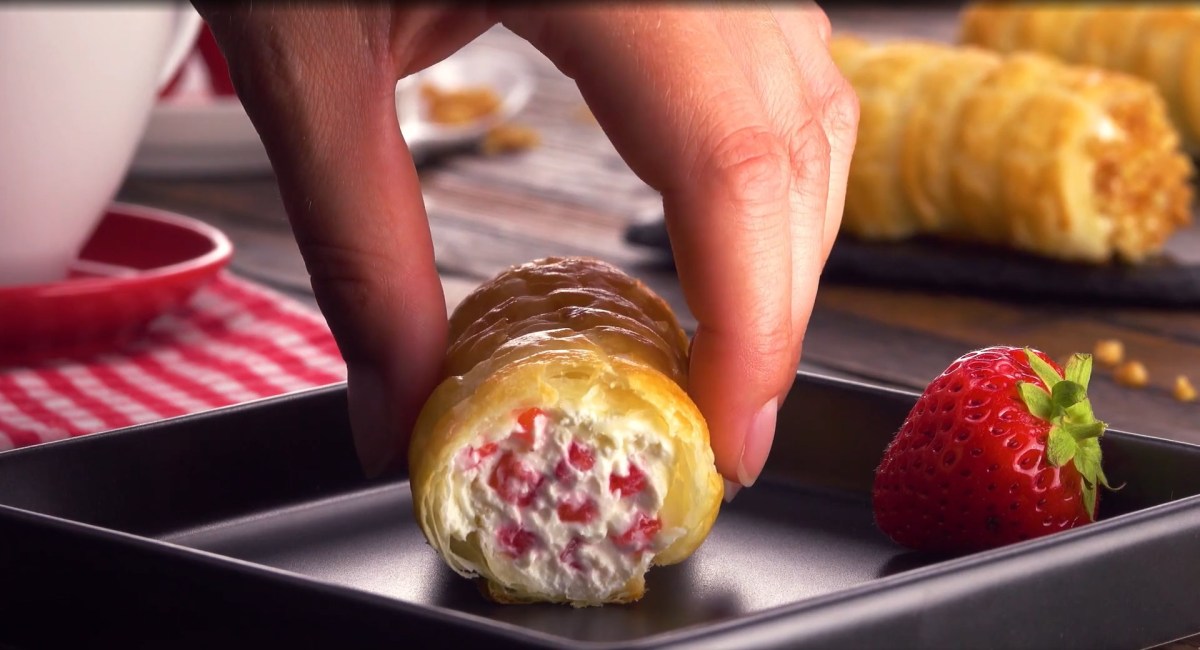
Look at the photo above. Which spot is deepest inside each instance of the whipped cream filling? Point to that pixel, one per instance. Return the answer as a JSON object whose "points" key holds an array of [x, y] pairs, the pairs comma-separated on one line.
{"points": [[561, 504]]}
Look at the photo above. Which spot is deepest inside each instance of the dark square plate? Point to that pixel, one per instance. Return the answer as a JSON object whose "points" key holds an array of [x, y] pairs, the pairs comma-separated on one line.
{"points": [[251, 524]]}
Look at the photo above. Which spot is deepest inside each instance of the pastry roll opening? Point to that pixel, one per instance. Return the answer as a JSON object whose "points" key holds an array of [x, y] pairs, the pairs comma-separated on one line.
{"points": [[1139, 178], [563, 502]]}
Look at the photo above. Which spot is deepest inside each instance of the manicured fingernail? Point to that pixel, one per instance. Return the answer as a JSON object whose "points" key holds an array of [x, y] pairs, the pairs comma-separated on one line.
{"points": [[757, 444], [731, 490], [368, 419]]}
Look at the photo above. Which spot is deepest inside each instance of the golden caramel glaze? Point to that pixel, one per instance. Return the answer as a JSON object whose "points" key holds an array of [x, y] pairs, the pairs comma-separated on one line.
{"points": [[572, 334], [1021, 151], [1156, 41]]}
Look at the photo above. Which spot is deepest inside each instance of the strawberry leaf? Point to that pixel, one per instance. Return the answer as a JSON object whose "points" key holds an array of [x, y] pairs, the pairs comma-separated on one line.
{"points": [[1080, 412], [1089, 500], [1079, 369], [1074, 431], [1036, 399], [1067, 394], [1060, 446], [1104, 481], [1043, 370], [1084, 430], [1087, 461]]}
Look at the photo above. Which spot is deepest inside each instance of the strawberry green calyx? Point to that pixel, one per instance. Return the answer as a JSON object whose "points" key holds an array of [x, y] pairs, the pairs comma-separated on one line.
{"points": [[1074, 430]]}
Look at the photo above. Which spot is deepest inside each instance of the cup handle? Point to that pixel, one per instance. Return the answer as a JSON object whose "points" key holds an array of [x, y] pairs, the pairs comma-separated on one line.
{"points": [[187, 28]]}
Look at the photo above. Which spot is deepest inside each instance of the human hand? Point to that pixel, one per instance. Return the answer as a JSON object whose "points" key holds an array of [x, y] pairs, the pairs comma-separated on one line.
{"points": [[736, 115]]}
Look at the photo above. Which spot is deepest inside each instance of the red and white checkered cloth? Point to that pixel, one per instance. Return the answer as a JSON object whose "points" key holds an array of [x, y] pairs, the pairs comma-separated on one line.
{"points": [[236, 341]]}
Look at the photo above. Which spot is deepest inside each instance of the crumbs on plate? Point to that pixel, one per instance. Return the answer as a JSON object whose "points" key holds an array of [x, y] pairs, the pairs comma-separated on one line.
{"points": [[469, 104], [459, 105]]}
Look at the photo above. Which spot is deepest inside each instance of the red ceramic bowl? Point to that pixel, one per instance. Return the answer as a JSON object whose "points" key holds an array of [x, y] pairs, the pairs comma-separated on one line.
{"points": [[139, 263]]}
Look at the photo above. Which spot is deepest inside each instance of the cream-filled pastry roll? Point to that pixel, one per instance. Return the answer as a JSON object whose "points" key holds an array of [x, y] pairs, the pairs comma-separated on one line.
{"points": [[1157, 41], [561, 457], [1022, 151]]}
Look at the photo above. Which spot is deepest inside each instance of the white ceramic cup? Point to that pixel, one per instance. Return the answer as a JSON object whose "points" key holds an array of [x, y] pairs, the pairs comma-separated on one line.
{"points": [[78, 83]]}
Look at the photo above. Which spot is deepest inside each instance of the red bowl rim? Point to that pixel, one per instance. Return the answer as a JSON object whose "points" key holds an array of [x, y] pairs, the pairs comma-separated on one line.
{"points": [[217, 256]]}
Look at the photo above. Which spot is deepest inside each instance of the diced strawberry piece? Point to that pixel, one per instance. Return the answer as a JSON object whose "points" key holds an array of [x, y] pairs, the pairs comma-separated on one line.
{"points": [[562, 471], [629, 484], [577, 509], [514, 481], [473, 456], [640, 535], [570, 554], [581, 456], [527, 426], [515, 541]]}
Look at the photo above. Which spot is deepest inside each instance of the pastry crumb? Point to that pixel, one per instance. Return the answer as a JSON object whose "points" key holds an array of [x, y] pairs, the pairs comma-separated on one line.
{"points": [[1184, 391], [460, 105], [1132, 374], [1109, 352], [509, 137]]}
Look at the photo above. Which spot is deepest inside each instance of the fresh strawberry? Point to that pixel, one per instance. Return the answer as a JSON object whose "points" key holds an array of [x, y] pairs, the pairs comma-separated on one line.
{"points": [[1000, 448]]}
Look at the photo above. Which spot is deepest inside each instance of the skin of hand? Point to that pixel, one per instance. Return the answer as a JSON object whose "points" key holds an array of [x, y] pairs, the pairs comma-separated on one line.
{"points": [[735, 114]]}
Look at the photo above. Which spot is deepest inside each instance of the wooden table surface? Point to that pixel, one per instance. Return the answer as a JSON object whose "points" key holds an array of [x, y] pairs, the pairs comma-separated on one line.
{"points": [[574, 195]]}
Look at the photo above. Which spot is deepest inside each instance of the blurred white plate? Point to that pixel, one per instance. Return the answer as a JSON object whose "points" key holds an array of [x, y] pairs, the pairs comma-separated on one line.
{"points": [[506, 74], [192, 133]]}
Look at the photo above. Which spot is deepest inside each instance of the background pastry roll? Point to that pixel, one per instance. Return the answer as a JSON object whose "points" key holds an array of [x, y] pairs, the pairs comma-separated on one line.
{"points": [[561, 456], [1157, 41], [1021, 150]]}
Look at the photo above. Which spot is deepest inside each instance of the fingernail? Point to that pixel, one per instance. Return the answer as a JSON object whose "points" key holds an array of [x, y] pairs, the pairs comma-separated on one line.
{"points": [[757, 444], [368, 420], [731, 490]]}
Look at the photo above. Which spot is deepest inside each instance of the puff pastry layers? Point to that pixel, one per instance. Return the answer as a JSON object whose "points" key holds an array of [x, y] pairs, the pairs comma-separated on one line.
{"points": [[1022, 151], [561, 456], [1159, 42]]}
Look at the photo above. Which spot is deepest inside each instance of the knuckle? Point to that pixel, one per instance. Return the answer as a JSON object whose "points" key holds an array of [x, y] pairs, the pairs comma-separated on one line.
{"points": [[809, 148], [762, 345], [343, 274], [774, 340], [753, 162], [840, 109], [770, 345]]}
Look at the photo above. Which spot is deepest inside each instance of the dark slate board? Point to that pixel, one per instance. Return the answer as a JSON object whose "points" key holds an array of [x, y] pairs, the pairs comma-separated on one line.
{"points": [[1172, 280]]}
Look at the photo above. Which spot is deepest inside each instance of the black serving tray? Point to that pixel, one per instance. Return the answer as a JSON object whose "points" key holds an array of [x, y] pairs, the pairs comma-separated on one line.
{"points": [[252, 525]]}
